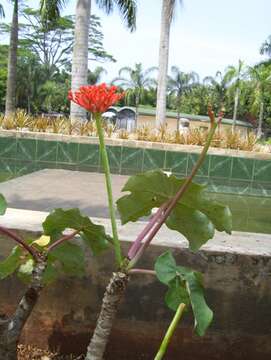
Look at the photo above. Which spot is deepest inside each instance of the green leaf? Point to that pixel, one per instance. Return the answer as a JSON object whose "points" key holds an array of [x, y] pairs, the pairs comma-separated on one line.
{"points": [[165, 268], [51, 272], [71, 257], [202, 313], [176, 294], [93, 235], [195, 216], [184, 286], [11, 263], [3, 205]]}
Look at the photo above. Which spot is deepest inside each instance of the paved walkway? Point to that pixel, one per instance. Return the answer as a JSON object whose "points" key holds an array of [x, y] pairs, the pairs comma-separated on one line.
{"points": [[46, 190]]}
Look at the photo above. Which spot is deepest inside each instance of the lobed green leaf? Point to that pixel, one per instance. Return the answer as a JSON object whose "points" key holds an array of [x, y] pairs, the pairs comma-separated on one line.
{"points": [[195, 215], [3, 205], [11, 263], [93, 235]]}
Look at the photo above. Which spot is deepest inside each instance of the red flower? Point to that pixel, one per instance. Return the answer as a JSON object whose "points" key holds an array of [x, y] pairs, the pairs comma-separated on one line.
{"points": [[96, 98]]}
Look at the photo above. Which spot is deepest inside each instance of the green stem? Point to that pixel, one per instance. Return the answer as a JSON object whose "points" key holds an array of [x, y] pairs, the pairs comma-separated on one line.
{"points": [[163, 348], [106, 167]]}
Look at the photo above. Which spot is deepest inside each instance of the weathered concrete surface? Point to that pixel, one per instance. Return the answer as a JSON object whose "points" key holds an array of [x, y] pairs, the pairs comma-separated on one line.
{"points": [[237, 279], [48, 189]]}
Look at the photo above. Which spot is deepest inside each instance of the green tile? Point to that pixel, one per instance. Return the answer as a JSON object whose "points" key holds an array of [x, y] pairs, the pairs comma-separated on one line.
{"points": [[114, 158], [7, 169], [261, 189], [72, 167], [220, 166], [8, 147], [242, 168], [241, 187], [88, 155], [26, 149], [41, 165], [204, 169], [262, 170], [46, 150], [219, 185], [153, 159], [67, 153], [176, 162], [25, 167], [131, 161]]}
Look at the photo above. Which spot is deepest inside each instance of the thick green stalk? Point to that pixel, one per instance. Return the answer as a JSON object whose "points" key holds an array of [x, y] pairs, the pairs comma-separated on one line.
{"points": [[106, 167], [170, 332]]}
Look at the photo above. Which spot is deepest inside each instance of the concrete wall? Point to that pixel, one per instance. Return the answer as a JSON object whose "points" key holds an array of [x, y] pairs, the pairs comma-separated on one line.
{"points": [[237, 272]]}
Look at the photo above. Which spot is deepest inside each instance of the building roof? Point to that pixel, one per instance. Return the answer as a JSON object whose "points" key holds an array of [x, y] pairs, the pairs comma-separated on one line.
{"points": [[173, 114]]}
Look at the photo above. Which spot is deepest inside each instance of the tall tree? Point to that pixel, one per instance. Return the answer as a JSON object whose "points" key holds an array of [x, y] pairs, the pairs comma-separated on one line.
{"points": [[219, 85], [168, 9], [2, 12], [12, 63], [261, 79], [127, 9], [135, 80], [236, 75], [180, 83], [265, 49]]}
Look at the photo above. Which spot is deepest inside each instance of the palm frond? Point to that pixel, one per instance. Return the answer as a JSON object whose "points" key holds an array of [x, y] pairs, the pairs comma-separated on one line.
{"points": [[127, 9], [2, 12]]}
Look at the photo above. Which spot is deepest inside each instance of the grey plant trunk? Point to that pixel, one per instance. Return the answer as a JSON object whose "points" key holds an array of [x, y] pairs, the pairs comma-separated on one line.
{"points": [[111, 300], [163, 63], [12, 64], [236, 103], [260, 126], [11, 328], [80, 55]]}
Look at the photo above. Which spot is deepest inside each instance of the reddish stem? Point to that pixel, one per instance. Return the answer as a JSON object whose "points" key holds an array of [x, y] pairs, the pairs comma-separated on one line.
{"points": [[63, 239], [20, 241], [137, 243]]}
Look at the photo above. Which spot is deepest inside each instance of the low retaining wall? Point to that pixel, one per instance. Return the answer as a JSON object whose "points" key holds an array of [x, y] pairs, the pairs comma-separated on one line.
{"points": [[237, 279], [225, 170]]}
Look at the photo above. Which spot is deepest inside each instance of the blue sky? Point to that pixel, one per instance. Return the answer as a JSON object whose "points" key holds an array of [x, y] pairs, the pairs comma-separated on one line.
{"points": [[206, 36]]}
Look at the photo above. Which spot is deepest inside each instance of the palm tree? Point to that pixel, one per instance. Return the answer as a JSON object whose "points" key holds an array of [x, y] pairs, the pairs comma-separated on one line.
{"points": [[135, 80], [236, 75], [168, 9], [261, 80], [265, 49], [219, 84], [127, 9], [12, 63], [94, 76], [180, 83], [2, 12]]}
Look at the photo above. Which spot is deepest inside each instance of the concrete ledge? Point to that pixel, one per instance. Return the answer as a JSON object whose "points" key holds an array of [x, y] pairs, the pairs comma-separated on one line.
{"points": [[237, 243]]}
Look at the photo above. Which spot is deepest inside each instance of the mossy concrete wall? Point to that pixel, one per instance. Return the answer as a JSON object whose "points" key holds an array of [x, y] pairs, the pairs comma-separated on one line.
{"points": [[237, 272]]}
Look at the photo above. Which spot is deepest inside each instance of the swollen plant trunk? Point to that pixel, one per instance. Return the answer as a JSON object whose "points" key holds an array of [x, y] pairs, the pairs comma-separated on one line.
{"points": [[80, 55], [111, 300], [11, 328], [12, 64], [259, 130], [163, 62], [236, 102]]}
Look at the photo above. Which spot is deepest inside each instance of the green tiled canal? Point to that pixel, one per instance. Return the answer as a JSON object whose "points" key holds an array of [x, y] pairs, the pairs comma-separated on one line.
{"points": [[242, 183]]}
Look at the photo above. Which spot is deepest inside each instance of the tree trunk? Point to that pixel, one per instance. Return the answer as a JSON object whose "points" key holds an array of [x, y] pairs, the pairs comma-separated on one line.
{"points": [[12, 64], [259, 130], [112, 297], [236, 102], [163, 63], [80, 54], [11, 328]]}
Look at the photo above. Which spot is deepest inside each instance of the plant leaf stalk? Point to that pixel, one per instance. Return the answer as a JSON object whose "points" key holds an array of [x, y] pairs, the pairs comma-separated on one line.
{"points": [[163, 348], [116, 242], [164, 211]]}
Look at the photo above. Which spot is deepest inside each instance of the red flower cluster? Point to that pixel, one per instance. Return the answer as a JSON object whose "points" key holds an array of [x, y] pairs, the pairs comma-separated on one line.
{"points": [[96, 98]]}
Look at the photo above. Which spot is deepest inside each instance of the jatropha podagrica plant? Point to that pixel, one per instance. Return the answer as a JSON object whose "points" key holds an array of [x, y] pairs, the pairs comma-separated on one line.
{"points": [[41, 261], [180, 204]]}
